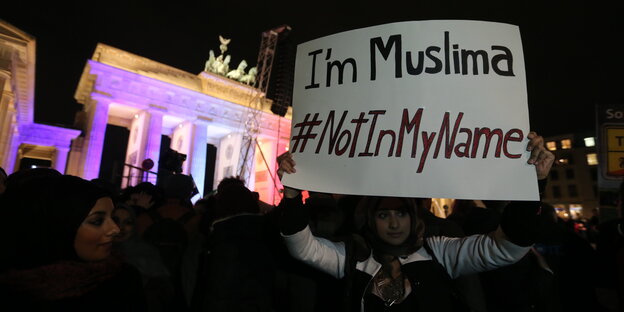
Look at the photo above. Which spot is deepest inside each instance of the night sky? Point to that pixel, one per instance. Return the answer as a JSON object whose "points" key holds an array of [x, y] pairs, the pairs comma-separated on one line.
{"points": [[571, 55]]}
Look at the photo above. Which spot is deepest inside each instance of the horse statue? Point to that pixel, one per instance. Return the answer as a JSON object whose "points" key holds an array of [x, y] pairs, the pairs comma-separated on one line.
{"points": [[238, 72], [216, 64], [210, 61], [223, 68], [250, 77]]}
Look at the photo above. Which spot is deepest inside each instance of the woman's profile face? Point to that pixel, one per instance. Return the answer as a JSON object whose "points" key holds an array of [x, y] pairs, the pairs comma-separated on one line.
{"points": [[125, 222], [94, 238], [392, 222]]}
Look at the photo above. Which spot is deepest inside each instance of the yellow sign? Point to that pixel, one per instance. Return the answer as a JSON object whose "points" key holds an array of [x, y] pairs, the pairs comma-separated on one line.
{"points": [[615, 152], [615, 164], [615, 139]]}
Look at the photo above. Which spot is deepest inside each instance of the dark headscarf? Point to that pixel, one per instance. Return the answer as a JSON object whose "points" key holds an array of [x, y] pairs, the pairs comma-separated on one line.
{"points": [[40, 219], [19, 178], [368, 206]]}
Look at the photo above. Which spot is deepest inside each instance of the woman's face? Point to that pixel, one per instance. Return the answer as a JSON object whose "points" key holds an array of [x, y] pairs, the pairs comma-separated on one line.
{"points": [[393, 223], [94, 238], [125, 222]]}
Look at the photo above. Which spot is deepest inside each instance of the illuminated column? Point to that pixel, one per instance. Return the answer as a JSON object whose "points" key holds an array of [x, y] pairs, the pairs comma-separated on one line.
{"points": [[12, 152], [182, 141], [6, 127], [264, 169], [198, 156], [5, 79], [152, 141], [60, 159], [144, 143], [94, 140], [227, 157], [134, 150]]}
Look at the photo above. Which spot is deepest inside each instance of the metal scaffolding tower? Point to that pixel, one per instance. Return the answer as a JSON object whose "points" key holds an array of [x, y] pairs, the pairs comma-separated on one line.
{"points": [[266, 54]]}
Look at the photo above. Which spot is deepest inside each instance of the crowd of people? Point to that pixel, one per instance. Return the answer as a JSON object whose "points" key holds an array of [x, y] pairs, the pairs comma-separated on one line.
{"points": [[70, 244]]}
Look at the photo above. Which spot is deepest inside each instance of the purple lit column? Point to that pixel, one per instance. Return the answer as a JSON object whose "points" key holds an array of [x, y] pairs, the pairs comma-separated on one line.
{"points": [[6, 100], [7, 111], [60, 159], [198, 159], [94, 142], [152, 141], [6, 130], [14, 144]]}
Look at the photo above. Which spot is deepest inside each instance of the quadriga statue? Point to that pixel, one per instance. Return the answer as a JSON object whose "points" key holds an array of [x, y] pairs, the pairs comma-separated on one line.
{"points": [[239, 72]]}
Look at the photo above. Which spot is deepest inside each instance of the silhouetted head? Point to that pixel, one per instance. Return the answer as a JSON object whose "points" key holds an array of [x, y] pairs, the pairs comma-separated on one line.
{"points": [[179, 186], [233, 198]]}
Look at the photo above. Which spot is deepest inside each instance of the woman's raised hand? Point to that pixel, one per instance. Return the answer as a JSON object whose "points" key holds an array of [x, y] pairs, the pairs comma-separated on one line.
{"points": [[286, 164]]}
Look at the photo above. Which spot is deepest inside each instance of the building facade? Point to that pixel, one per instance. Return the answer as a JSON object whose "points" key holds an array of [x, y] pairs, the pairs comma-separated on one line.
{"points": [[153, 100], [572, 184], [24, 143]]}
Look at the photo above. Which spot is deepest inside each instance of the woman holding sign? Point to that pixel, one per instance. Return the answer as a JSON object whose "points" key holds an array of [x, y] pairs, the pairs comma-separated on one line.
{"points": [[389, 265]]}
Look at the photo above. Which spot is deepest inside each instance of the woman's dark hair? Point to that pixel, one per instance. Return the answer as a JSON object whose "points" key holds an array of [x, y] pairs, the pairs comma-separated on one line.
{"points": [[21, 177]]}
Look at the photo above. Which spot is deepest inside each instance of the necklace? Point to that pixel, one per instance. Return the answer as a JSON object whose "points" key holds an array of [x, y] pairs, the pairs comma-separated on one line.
{"points": [[391, 290]]}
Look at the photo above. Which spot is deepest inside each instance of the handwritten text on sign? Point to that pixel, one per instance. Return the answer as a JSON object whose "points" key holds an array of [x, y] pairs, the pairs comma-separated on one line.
{"points": [[418, 109]]}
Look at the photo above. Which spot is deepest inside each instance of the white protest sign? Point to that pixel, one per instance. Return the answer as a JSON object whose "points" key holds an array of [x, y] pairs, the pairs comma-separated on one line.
{"points": [[413, 109]]}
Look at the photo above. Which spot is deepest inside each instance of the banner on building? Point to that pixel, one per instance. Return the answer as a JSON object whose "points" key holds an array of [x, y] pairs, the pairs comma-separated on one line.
{"points": [[413, 109]]}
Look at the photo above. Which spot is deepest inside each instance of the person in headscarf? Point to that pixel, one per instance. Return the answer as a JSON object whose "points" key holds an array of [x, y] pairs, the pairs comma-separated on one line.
{"points": [[57, 234], [391, 265]]}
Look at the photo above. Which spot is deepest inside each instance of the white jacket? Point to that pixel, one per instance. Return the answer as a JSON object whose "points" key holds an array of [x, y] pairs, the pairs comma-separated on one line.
{"points": [[458, 256]]}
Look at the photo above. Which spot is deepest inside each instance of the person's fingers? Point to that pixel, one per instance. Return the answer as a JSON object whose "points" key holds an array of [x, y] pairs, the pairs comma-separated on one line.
{"points": [[534, 155], [534, 141], [291, 162], [544, 163], [285, 155], [288, 162], [547, 158], [288, 167], [541, 158]]}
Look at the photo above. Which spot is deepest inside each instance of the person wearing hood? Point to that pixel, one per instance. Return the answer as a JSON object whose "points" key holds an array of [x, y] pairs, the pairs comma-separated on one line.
{"points": [[391, 265], [57, 232]]}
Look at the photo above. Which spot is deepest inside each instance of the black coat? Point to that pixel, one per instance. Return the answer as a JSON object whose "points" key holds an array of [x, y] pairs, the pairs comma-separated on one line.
{"points": [[122, 292], [237, 274]]}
